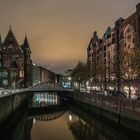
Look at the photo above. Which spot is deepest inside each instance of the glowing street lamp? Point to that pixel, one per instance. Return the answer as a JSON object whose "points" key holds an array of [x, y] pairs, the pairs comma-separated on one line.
{"points": [[69, 78]]}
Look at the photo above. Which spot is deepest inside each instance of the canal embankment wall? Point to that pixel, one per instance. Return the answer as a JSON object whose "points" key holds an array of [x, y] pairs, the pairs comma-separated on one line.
{"points": [[121, 119], [10, 103]]}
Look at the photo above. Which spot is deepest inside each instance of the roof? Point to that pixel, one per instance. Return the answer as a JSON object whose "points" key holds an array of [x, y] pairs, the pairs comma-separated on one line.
{"points": [[95, 37], [26, 43], [107, 33], [10, 37], [90, 46]]}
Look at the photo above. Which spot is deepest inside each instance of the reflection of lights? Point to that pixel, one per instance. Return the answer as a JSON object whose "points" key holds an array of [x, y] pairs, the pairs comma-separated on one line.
{"points": [[70, 117], [48, 99], [34, 120]]}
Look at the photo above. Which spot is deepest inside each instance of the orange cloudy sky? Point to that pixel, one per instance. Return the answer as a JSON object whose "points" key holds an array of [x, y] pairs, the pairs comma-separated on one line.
{"points": [[59, 30]]}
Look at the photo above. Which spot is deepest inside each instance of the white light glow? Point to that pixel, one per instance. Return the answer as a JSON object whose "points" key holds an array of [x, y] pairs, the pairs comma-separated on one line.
{"points": [[70, 117]]}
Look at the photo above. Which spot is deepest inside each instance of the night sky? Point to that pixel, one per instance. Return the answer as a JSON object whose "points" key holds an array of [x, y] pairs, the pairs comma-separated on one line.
{"points": [[59, 30]]}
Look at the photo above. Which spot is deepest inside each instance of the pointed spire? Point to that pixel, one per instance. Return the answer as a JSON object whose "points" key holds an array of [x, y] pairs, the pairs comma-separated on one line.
{"points": [[95, 37], [26, 44], [10, 29]]}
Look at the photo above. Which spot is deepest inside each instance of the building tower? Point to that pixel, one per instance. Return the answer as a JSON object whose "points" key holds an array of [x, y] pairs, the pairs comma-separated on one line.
{"points": [[12, 56], [27, 63]]}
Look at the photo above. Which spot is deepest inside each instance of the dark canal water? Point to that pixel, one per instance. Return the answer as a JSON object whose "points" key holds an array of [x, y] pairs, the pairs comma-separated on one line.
{"points": [[48, 117]]}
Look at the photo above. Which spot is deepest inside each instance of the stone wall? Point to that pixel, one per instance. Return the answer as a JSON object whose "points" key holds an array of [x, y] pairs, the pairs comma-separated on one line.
{"points": [[9, 103], [122, 121]]}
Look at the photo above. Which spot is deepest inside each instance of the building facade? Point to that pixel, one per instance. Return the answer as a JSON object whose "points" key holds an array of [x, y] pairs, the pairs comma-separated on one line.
{"points": [[15, 62], [36, 74], [42, 75], [109, 57]]}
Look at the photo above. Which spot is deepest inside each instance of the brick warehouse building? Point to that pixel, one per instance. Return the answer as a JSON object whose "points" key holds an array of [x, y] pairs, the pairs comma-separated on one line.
{"points": [[108, 57], [15, 62]]}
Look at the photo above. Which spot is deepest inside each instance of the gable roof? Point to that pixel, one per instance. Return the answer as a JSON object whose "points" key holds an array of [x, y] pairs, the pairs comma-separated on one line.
{"points": [[90, 45], [107, 33], [10, 38]]}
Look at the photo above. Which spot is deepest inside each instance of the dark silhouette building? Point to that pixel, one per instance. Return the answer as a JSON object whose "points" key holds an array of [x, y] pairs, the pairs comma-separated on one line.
{"points": [[27, 63]]}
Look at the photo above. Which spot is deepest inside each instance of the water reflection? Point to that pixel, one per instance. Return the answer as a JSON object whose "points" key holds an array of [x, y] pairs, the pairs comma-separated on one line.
{"points": [[13, 128], [43, 99], [51, 118]]}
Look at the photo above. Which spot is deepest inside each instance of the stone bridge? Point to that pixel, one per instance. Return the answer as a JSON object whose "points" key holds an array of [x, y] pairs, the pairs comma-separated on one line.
{"points": [[48, 87]]}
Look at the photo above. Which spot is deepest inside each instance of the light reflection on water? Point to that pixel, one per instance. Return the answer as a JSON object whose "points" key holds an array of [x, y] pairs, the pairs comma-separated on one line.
{"points": [[45, 99], [55, 129], [50, 118], [67, 124]]}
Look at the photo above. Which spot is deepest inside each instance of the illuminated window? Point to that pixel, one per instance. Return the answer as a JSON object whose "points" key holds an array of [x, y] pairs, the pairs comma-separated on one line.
{"points": [[21, 74]]}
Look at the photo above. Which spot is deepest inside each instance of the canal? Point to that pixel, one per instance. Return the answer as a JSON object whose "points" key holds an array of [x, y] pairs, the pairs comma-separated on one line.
{"points": [[47, 116]]}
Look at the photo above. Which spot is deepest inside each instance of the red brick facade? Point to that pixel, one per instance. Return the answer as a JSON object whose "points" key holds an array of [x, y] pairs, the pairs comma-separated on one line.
{"points": [[107, 56]]}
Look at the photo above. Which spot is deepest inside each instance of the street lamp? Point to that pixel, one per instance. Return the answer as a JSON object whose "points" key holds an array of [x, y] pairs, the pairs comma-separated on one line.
{"points": [[69, 78]]}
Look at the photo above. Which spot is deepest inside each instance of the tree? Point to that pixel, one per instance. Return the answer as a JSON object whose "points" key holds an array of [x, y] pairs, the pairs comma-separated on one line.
{"points": [[79, 73], [136, 61], [130, 68]]}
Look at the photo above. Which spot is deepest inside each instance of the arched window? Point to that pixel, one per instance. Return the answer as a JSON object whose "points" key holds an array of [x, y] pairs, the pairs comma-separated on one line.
{"points": [[128, 32]]}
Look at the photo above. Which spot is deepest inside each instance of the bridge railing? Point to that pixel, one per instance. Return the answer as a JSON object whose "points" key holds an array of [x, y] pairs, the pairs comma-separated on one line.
{"points": [[7, 92], [48, 87]]}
